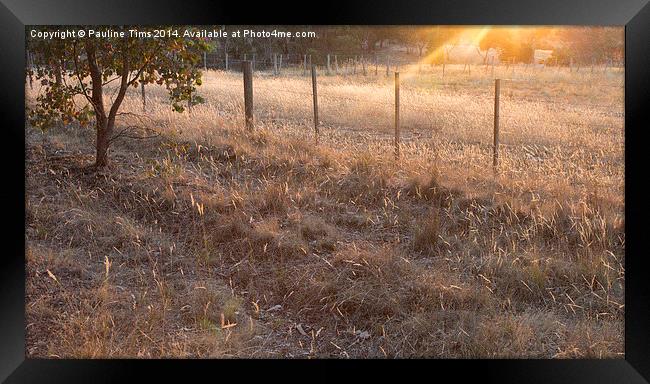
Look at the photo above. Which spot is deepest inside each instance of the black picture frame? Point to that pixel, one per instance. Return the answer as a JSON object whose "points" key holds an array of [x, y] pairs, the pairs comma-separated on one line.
{"points": [[15, 15]]}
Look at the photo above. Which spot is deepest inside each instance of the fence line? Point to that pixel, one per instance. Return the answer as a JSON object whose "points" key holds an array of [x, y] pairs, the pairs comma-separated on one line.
{"points": [[433, 108], [217, 60], [587, 84], [498, 115], [537, 101], [430, 108]]}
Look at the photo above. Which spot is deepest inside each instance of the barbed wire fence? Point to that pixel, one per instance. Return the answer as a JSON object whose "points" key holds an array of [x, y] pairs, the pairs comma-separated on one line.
{"points": [[311, 68], [372, 63]]}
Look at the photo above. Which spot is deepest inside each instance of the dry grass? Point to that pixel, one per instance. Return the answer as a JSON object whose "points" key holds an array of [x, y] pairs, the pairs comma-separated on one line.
{"points": [[210, 241]]}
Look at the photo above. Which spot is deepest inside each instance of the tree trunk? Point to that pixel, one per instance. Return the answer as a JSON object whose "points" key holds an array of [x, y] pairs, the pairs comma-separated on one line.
{"points": [[57, 75], [104, 133], [105, 123], [103, 136]]}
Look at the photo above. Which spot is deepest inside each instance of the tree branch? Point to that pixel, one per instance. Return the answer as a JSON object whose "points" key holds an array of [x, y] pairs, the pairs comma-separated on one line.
{"points": [[123, 85], [76, 69], [111, 80], [96, 76], [139, 72], [123, 134]]}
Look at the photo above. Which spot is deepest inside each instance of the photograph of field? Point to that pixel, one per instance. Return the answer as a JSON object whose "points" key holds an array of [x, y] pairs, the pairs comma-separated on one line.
{"points": [[354, 192]]}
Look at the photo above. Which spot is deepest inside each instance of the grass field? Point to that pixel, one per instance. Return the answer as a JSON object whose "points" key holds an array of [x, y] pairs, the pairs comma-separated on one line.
{"points": [[210, 241]]}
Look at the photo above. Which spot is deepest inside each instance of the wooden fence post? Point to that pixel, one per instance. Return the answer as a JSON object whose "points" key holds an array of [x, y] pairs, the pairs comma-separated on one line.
{"points": [[144, 96], [248, 94], [336, 64], [444, 60], [304, 65], [253, 62], [328, 64], [315, 94], [280, 65], [497, 90], [205, 61], [397, 127], [275, 63], [226, 61]]}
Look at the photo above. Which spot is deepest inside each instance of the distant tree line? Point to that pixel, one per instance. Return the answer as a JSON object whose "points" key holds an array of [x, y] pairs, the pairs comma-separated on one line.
{"points": [[580, 45]]}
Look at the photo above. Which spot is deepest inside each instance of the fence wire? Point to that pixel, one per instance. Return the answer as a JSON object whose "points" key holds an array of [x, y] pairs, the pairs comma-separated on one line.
{"points": [[461, 122]]}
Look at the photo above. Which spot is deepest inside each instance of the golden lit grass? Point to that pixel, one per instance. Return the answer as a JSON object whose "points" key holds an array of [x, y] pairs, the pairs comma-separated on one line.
{"points": [[210, 241], [544, 137]]}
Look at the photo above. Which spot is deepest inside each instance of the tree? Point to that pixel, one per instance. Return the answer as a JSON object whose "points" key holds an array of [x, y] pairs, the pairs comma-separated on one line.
{"points": [[592, 44], [417, 37], [441, 38], [89, 67], [500, 39], [516, 44], [377, 35]]}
